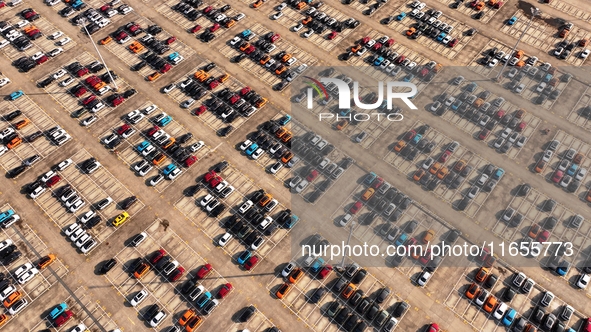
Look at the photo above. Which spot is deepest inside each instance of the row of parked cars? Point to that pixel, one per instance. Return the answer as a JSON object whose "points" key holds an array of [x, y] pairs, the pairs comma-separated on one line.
{"points": [[61, 314], [569, 172]]}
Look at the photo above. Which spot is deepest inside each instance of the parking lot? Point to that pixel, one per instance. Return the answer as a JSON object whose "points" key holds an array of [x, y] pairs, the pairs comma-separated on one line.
{"points": [[130, 58], [259, 71], [81, 309], [458, 32], [43, 44], [576, 116], [166, 294], [128, 150], [32, 248], [545, 37], [40, 121], [314, 315], [257, 323], [244, 186], [542, 89], [73, 105], [488, 12], [92, 188], [500, 118], [292, 17], [212, 120]]}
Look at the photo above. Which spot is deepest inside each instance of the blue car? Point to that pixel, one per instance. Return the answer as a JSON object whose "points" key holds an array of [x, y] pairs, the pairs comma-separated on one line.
{"points": [[285, 120], [509, 317], [378, 61], [246, 33], [142, 146], [383, 105], [401, 239], [370, 177], [16, 95], [415, 140], [291, 221], [202, 300], [512, 20], [244, 257], [6, 215], [78, 4], [173, 56], [548, 77], [408, 77], [498, 174], [441, 36], [58, 310], [251, 149], [471, 87], [168, 169], [165, 121], [319, 263], [572, 169], [456, 105], [344, 112], [563, 268], [401, 16]]}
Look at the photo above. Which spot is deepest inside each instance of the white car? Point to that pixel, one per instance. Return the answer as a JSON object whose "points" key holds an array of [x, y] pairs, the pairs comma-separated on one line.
{"points": [[298, 27], [424, 278], [148, 150], [79, 328], [22, 303], [22, 269], [4, 43], [64, 164], [206, 200], [346, 219], [86, 217], [6, 292], [98, 107], [10, 221], [150, 109], [500, 310], [257, 154], [85, 237], [276, 16], [77, 205], [70, 230], [584, 53], [3, 149], [21, 23], [225, 239], [63, 41], [196, 146], [301, 186], [60, 73], [245, 206], [4, 81], [25, 277], [158, 318], [88, 121], [55, 35], [52, 3], [66, 82], [139, 298], [37, 192], [47, 176], [125, 10], [245, 145], [583, 281], [174, 174]]}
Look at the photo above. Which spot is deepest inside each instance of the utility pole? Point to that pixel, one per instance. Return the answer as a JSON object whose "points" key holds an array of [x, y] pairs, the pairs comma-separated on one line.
{"points": [[83, 22], [534, 12], [342, 264]]}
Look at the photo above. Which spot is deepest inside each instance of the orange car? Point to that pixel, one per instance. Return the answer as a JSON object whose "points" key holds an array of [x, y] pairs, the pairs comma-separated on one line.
{"points": [[224, 78], [472, 291], [481, 274], [410, 31], [479, 6], [154, 76], [282, 131], [106, 40], [265, 200], [262, 102], [490, 304], [442, 173], [265, 59], [534, 230], [355, 48], [296, 275], [342, 124], [15, 296], [280, 70], [286, 57], [301, 5], [258, 4], [283, 290], [307, 20], [540, 166], [578, 159], [348, 291], [22, 123], [435, 168], [14, 142], [418, 174], [193, 324], [99, 85], [136, 47], [199, 73], [141, 270], [429, 235], [203, 77], [287, 137], [3, 319], [399, 146], [186, 317], [286, 157], [230, 23], [159, 159], [45, 261], [460, 165], [244, 47]]}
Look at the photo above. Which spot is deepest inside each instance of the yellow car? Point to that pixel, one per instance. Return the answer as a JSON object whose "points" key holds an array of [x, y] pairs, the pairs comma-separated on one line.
{"points": [[120, 219]]}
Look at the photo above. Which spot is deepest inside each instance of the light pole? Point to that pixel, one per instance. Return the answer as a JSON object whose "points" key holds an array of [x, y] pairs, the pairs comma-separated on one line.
{"points": [[534, 12], [342, 264], [83, 21]]}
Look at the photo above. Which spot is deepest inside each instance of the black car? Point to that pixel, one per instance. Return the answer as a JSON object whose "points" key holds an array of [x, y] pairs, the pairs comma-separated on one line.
{"points": [[128, 202], [247, 314], [318, 294], [46, 82], [150, 313], [93, 222], [108, 265], [129, 93], [7, 251], [383, 295], [400, 309], [11, 258], [342, 315], [225, 131], [16, 171], [359, 276]]}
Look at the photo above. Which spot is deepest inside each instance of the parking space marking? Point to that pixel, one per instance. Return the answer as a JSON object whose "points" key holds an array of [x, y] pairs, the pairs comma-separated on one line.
{"points": [[465, 8], [558, 80], [570, 9], [257, 323], [92, 188], [163, 293], [459, 32], [576, 113]]}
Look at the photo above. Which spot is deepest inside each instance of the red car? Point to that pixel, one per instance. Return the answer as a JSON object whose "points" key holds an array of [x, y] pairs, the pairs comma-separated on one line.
{"points": [[433, 327], [356, 207], [53, 180], [251, 262], [42, 59], [214, 27], [165, 68], [234, 99], [245, 90], [588, 325], [122, 129], [215, 181], [312, 176], [82, 90], [82, 72], [274, 38], [484, 134], [249, 50], [209, 176], [121, 35], [200, 110], [157, 256], [63, 318], [213, 85], [88, 99], [377, 183], [105, 8], [195, 28], [117, 101], [453, 43], [444, 156], [410, 242], [2, 4], [176, 274], [207, 9], [409, 135], [153, 130], [390, 42], [204, 271], [171, 40], [225, 290], [325, 272], [190, 161], [376, 46], [365, 40], [557, 176], [521, 126], [332, 35], [543, 236], [426, 257]]}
